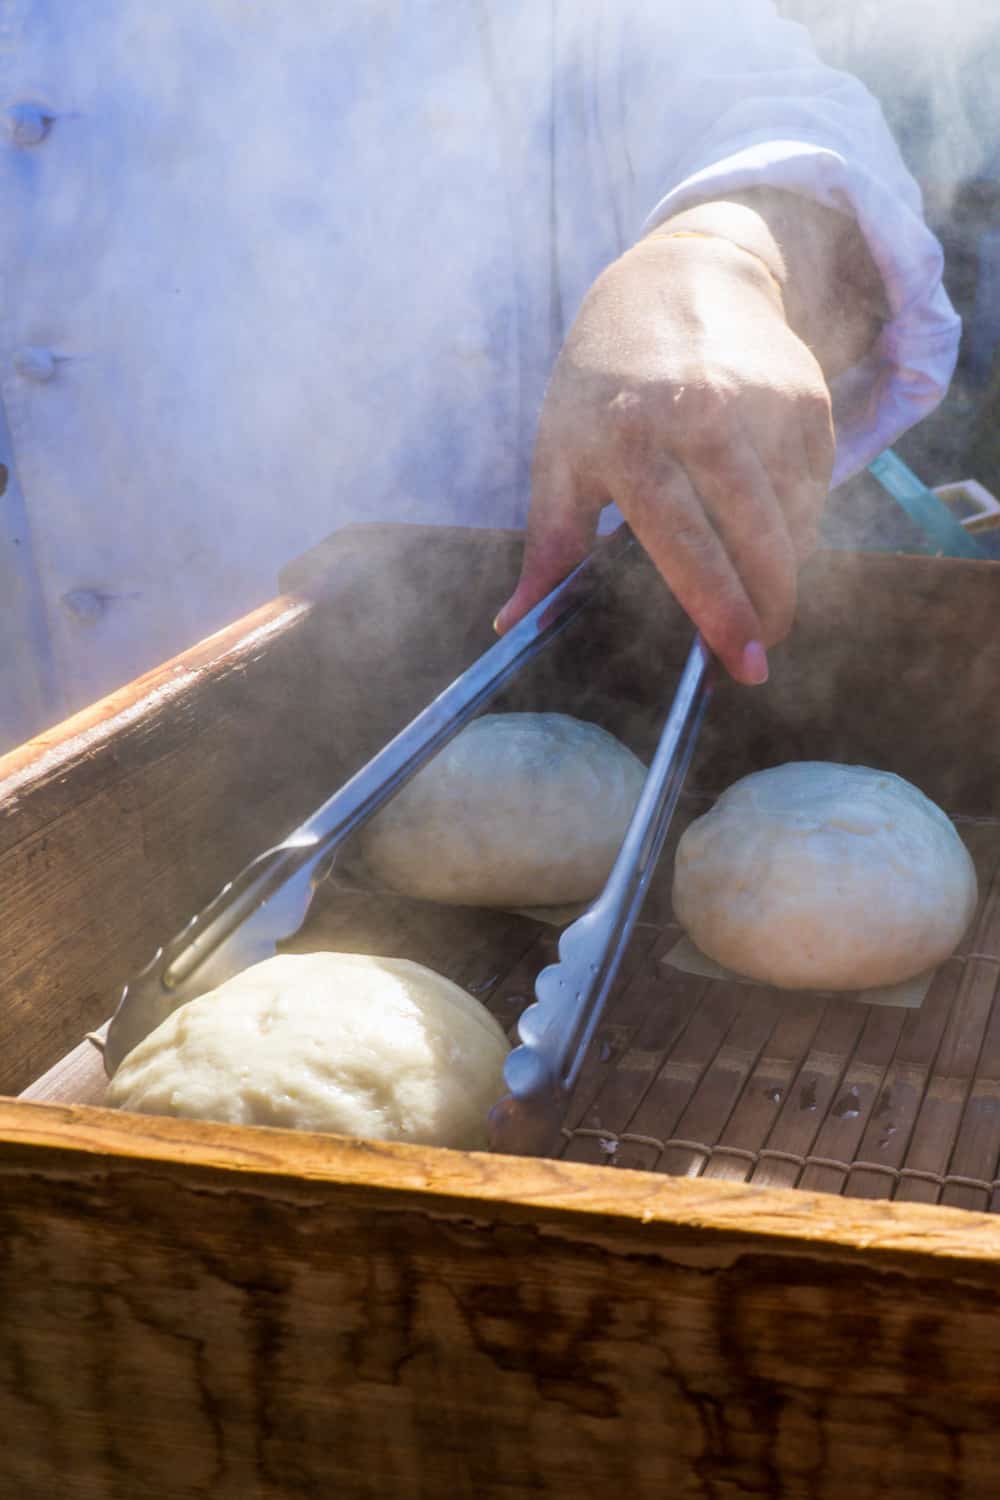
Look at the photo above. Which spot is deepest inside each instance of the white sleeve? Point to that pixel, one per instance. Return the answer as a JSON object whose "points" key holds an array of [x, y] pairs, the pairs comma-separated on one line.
{"points": [[757, 107]]}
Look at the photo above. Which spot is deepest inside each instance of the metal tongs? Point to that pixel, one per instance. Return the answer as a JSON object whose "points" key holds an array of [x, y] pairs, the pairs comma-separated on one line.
{"points": [[570, 995], [268, 901]]}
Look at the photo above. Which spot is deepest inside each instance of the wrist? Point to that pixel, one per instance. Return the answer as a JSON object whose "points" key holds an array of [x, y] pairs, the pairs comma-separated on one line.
{"points": [[735, 222], [752, 270], [772, 270], [832, 295]]}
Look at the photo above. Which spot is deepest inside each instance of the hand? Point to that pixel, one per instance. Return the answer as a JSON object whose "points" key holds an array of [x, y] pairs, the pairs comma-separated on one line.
{"points": [[683, 395]]}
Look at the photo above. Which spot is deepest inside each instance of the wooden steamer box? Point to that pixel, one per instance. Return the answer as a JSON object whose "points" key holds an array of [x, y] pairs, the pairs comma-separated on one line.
{"points": [[766, 1262]]}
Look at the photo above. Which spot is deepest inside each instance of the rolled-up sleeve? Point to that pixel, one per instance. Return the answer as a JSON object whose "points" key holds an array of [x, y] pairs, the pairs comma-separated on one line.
{"points": [[756, 107]]}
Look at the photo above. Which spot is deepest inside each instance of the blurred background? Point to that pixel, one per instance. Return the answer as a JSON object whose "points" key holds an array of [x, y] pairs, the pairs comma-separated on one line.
{"points": [[935, 69]]}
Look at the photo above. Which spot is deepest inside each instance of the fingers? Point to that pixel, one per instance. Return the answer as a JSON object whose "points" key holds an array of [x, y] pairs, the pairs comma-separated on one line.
{"points": [[820, 440], [561, 530], [669, 519], [725, 517], [739, 498], [804, 488], [764, 486], [799, 458]]}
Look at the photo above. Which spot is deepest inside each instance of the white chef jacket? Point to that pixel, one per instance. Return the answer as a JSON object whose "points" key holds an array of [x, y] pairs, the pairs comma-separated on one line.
{"points": [[268, 267]]}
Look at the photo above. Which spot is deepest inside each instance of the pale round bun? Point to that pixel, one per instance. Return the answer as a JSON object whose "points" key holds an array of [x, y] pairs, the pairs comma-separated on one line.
{"points": [[519, 810], [820, 876], [374, 1047]]}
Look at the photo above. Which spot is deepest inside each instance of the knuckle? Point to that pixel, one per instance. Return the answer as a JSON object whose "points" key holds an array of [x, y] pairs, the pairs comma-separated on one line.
{"points": [[819, 411], [708, 403], [819, 400], [726, 605], [627, 419], [693, 539]]}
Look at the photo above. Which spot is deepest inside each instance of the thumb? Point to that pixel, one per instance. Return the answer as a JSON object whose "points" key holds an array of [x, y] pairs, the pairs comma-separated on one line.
{"points": [[561, 531]]}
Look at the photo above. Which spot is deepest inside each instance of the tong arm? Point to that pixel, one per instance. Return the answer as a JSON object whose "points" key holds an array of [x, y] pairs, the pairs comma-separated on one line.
{"points": [[557, 1029]]}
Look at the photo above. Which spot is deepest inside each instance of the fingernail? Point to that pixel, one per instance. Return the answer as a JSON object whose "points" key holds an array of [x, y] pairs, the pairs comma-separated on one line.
{"points": [[496, 623], [753, 664]]}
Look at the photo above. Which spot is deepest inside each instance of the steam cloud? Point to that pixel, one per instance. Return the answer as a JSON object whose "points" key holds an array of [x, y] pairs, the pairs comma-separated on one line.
{"points": [[932, 68]]}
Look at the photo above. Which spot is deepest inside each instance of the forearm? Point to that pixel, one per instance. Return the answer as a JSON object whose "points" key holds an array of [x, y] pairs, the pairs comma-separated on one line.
{"points": [[831, 291]]}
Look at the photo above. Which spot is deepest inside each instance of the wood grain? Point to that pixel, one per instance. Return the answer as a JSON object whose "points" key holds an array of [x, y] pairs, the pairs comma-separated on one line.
{"points": [[199, 1311], [77, 1078], [115, 828]]}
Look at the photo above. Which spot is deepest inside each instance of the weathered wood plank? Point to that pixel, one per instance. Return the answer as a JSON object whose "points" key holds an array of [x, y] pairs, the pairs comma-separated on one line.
{"points": [[134, 725], [956, 1240], [115, 832], [205, 1311]]}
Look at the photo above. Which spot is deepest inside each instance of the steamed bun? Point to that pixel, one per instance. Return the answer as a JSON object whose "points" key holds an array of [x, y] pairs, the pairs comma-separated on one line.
{"points": [[820, 876], [519, 810], [374, 1047]]}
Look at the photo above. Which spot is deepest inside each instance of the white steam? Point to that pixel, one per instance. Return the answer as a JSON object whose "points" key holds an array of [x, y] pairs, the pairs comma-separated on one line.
{"points": [[933, 68]]}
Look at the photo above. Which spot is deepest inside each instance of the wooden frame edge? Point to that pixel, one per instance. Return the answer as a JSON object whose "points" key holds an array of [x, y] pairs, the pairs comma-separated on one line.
{"points": [[475, 1185], [82, 732]]}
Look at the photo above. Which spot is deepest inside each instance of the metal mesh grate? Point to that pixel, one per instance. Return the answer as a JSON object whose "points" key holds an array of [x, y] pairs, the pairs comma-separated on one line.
{"points": [[699, 1077]]}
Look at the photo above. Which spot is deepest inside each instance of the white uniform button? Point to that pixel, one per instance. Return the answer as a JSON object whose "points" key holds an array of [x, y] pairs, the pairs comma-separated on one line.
{"points": [[85, 605], [35, 364], [28, 123]]}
